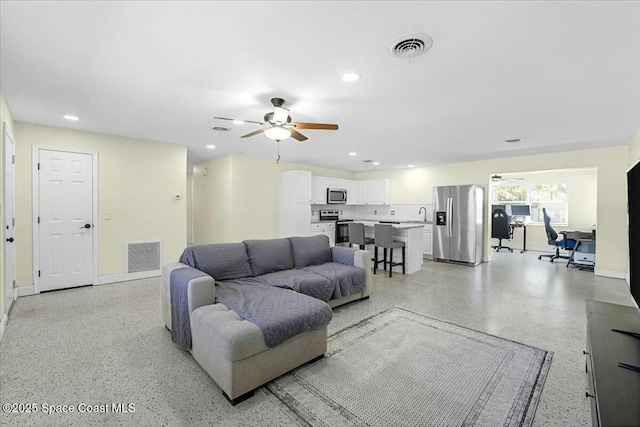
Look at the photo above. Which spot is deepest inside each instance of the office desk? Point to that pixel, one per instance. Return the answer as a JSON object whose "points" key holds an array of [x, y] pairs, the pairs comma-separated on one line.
{"points": [[522, 225]]}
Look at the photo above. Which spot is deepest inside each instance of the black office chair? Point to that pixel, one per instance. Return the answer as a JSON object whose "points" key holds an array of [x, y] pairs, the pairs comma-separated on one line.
{"points": [[500, 228], [552, 239]]}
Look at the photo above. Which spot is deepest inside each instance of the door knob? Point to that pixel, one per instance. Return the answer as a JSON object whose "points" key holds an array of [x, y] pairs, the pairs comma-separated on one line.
{"points": [[10, 240], [86, 226]]}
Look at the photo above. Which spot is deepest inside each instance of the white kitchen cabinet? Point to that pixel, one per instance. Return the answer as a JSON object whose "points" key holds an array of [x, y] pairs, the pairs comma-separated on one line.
{"points": [[352, 191], [319, 193], [295, 203], [427, 241], [374, 192], [326, 228]]}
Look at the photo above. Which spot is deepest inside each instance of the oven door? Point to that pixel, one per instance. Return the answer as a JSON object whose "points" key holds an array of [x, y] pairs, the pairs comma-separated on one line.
{"points": [[342, 232]]}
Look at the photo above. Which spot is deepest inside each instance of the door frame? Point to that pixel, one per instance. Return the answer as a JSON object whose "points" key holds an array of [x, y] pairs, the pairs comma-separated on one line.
{"points": [[5, 136], [36, 209]]}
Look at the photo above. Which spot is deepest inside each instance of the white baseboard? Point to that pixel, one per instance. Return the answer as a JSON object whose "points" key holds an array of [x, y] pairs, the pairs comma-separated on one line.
{"points": [[24, 291], [3, 324], [115, 278], [627, 279], [614, 274]]}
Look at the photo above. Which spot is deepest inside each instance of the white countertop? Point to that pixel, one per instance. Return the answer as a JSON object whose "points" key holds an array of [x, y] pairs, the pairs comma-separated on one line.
{"points": [[401, 226]]}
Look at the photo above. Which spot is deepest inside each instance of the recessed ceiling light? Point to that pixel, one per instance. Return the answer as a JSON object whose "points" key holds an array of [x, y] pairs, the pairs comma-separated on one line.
{"points": [[376, 163], [71, 117], [238, 122], [513, 140], [353, 153], [410, 166], [211, 147], [350, 77]]}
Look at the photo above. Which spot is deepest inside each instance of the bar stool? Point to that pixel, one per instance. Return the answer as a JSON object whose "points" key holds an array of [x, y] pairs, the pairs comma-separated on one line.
{"points": [[356, 235], [384, 239]]}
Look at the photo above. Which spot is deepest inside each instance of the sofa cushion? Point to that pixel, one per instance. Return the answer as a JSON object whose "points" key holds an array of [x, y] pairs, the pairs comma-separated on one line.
{"points": [[279, 313], [347, 279], [305, 282], [268, 256], [221, 261], [311, 250], [233, 336]]}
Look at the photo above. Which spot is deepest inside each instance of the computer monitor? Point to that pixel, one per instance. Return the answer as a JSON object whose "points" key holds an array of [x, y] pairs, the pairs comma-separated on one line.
{"points": [[520, 210]]}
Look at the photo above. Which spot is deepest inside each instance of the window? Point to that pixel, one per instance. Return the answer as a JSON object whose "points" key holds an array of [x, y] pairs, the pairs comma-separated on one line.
{"points": [[553, 197]]}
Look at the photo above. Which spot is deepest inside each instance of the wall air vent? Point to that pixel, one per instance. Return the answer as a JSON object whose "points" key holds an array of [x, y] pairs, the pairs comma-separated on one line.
{"points": [[143, 256], [408, 46]]}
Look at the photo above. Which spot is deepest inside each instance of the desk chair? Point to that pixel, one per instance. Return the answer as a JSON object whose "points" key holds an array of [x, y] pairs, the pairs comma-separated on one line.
{"points": [[552, 236], [500, 228], [356, 235], [384, 239]]}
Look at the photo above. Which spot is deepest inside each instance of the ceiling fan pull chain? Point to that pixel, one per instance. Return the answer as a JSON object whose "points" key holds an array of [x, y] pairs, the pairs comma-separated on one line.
{"points": [[278, 152]]}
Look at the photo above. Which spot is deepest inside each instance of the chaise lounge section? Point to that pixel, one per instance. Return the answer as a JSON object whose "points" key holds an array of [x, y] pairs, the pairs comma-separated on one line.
{"points": [[249, 312]]}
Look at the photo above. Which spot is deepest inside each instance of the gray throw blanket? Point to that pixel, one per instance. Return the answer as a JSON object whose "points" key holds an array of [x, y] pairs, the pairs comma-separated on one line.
{"points": [[279, 313], [180, 319]]}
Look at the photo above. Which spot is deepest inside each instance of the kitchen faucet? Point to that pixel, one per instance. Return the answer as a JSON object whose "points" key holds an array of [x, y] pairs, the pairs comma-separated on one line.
{"points": [[425, 213]]}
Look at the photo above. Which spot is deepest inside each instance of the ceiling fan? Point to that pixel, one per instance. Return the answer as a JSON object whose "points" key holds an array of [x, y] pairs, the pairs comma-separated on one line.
{"points": [[280, 126]]}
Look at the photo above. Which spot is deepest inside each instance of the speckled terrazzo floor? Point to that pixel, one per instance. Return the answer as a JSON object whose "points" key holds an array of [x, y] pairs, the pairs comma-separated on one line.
{"points": [[107, 344]]}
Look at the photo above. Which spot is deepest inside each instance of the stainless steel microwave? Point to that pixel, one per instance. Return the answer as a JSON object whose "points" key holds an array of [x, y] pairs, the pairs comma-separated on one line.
{"points": [[336, 196]]}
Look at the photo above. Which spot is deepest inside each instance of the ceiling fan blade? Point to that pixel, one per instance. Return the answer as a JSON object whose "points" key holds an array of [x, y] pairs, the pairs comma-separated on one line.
{"points": [[240, 120], [297, 135], [322, 126], [255, 132]]}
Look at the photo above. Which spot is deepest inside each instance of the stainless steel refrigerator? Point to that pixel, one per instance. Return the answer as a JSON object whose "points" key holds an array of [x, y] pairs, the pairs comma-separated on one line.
{"points": [[458, 233]]}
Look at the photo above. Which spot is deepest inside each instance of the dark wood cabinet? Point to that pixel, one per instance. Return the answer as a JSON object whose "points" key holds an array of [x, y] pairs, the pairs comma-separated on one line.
{"points": [[614, 391]]}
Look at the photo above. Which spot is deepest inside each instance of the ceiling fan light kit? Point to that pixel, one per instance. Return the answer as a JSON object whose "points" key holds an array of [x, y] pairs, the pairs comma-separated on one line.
{"points": [[277, 133]]}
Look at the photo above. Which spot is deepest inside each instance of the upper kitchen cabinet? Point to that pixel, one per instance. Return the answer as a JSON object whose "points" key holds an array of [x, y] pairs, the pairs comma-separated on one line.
{"points": [[374, 192], [297, 185], [353, 196], [319, 190]]}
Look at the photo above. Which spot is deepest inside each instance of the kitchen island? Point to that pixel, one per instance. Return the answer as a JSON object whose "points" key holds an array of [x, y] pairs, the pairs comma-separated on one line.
{"points": [[408, 232]]}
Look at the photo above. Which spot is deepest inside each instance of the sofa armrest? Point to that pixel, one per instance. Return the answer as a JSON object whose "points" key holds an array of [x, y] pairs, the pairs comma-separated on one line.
{"points": [[166, 291], [357, 258], [343, 255], [362, 259], [201, 291]]}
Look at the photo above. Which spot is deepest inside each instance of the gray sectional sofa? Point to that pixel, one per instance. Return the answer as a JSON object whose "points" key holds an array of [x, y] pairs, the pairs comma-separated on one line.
{"points": [[249, 312]]}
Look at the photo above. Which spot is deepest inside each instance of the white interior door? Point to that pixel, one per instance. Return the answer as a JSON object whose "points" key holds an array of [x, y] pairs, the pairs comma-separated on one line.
{"points": [[66, 232], [9, 220]]}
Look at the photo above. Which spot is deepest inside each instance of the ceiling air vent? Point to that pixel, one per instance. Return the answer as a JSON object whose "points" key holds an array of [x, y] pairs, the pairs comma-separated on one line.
{"points": [[408, 46]]}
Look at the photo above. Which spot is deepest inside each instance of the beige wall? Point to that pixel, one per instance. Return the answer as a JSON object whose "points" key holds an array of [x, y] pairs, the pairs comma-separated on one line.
{"points": [[136, 183], [5, 119], [634, 149], [238, 199], [415, 186], [189, 202]]}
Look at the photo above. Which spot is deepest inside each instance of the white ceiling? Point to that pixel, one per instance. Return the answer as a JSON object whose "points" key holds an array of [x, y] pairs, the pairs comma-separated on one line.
{"points": [[562, 75]]}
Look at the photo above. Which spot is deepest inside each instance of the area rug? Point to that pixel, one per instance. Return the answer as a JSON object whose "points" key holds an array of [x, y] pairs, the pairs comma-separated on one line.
{"points": [[400, 368]]}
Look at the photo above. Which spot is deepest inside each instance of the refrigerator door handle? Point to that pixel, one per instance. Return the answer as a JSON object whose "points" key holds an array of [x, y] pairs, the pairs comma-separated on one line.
{"points": [[449, 216]]}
